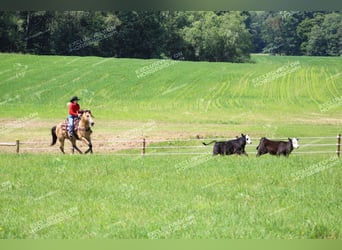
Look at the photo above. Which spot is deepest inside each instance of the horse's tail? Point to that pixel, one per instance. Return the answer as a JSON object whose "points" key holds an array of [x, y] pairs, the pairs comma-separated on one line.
{"points": [[206, 144], [54, 136]]}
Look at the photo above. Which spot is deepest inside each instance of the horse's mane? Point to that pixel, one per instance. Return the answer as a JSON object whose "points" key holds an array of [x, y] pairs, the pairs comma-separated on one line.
{"points": [[82, 111]]}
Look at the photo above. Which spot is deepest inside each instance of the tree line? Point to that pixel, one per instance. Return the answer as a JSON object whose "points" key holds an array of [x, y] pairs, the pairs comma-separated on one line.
{"points": [[229, 36]]}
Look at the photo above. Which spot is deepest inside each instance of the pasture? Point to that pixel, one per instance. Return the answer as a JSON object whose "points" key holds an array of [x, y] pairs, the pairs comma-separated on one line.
{"points": [[197, 197], [105, 195]]}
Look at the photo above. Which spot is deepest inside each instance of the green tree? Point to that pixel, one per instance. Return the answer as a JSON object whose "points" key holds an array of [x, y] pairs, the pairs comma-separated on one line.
{"points": [[81, 32], [221, 37], [107, 45], [254, 25], [11, 32], [325, 39], [279, 32], [140, 34], [174, 43], [317, 44], [37, 27], [304, 29], [332, 27], [69, 33]]}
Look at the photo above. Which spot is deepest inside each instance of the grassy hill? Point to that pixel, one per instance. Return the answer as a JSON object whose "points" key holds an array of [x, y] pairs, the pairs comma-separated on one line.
{"points": [[282, 92]]}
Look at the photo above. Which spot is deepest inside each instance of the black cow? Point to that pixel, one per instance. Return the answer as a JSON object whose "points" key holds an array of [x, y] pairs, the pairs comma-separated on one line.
{"points": [[236, 146], [276, 147]]}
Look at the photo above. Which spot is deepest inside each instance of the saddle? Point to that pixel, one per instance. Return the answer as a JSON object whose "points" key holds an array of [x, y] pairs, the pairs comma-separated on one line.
{"points": [[65, 125]]}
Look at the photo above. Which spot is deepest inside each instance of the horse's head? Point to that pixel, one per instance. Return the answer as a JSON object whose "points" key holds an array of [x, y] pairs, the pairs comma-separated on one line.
{"points": [[87, 116]]}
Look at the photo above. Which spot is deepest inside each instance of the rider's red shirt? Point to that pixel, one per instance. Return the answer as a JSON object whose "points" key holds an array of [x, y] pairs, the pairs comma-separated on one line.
{"points": [[74, 108]]}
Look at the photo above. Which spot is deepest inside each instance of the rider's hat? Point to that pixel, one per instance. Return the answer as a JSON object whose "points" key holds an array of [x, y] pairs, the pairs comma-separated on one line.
{"points": [[75, 98]]}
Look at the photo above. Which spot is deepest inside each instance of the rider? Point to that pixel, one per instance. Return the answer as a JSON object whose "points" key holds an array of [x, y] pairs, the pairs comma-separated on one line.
{"points": [[74, 109]]}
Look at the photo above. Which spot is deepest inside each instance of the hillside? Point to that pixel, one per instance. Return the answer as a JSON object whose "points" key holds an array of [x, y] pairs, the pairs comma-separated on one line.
{"points": [[290, 93]]}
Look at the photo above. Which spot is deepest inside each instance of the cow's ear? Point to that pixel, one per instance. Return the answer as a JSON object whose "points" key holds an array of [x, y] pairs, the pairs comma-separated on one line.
{"points": [[289, 139], [242, 135]]}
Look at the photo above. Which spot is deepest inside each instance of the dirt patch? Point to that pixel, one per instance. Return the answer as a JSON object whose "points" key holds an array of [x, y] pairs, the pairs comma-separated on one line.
{"points": [[108, 137], [123, 136]]}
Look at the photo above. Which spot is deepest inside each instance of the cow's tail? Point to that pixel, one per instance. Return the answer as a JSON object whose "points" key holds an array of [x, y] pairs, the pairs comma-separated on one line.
{"points": [[54, 136], [206, 144]]}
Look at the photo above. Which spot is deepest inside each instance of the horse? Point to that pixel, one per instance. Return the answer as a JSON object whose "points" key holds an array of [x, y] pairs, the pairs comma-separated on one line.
{"points": [[82, 133]]}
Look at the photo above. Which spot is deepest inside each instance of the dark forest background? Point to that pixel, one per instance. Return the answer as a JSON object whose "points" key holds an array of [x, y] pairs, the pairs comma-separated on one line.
{"points": [[229, 36]]}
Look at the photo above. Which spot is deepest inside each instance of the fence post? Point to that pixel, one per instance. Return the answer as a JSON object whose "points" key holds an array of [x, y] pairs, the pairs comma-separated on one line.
{"points": [[338, 145], [17, 143], [143, 147]]}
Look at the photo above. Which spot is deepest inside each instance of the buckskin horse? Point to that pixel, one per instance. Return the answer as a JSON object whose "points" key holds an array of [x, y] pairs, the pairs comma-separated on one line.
{"points": [[82, 132]]}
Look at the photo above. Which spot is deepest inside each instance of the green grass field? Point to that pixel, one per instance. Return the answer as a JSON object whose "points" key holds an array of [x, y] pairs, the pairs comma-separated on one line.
{"points": [[194, 197], [49, 195]]}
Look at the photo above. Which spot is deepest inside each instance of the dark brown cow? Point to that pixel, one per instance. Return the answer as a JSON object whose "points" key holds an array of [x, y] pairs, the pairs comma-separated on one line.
{"points": [[276, 147]]}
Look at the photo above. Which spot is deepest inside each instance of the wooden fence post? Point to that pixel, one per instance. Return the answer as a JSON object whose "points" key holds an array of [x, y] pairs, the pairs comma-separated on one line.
{"points": [[338, 145], [17, 143], [143, 147]]}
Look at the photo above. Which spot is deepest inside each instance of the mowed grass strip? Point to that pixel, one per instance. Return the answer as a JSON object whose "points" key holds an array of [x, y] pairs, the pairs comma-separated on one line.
{"points": [[193, 197]]}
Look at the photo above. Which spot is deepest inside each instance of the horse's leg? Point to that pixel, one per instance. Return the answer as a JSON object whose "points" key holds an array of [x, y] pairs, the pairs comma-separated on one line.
{"points": [[90, 146], [61, 141], [61, 138], [78, 150], [90, 149], [74, 146]]}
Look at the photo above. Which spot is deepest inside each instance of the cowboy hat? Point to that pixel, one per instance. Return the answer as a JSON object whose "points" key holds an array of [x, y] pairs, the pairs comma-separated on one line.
{"points": [[75, 98]]}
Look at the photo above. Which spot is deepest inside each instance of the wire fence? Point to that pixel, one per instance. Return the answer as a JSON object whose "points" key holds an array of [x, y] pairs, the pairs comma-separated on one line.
{"points": [[160, 147]]}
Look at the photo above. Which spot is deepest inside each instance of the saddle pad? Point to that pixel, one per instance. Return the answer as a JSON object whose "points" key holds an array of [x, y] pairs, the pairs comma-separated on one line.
{"points": [[65, 124]]}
